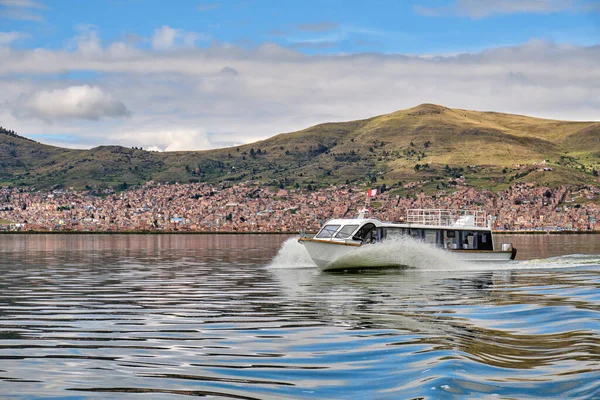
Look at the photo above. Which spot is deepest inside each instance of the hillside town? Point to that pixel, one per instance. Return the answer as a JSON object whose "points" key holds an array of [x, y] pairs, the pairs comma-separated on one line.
{"points": [[249, 207]]}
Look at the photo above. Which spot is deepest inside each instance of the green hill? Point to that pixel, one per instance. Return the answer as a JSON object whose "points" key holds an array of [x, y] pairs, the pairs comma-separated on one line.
{"points": [[424, 143]]}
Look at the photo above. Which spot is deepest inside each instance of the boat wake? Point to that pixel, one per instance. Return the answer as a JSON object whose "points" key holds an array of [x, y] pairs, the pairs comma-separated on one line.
{"points": [[566, 261], [406, 252]]}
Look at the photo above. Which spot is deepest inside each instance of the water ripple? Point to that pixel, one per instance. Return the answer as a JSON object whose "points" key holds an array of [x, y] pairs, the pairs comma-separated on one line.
{"points": [[193, 316]]}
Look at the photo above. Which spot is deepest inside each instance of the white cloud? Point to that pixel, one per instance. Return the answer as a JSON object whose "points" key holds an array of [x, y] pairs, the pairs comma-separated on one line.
{"points": [[21, 3], [319, 27], [166, 38], [208, 6], [87, 41], [7, 38], [75, 102], [480, 9], [239, 95], [176, 139], [21, 9]]}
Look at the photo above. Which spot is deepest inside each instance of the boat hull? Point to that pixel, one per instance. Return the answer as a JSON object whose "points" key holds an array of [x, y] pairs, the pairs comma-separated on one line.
{"points": [[325, 253]]}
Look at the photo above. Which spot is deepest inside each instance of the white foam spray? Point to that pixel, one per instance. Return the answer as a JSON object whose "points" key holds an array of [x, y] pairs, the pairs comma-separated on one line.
{"points": [[405, 252], [292, 255]]}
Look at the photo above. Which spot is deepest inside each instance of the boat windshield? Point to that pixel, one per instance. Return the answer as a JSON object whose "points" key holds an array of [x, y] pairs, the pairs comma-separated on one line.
{"points": [[327, 231], [346, 231]]}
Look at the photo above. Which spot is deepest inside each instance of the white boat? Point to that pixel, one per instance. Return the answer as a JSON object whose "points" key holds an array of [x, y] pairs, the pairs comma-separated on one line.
{"points": [[466, 233]]}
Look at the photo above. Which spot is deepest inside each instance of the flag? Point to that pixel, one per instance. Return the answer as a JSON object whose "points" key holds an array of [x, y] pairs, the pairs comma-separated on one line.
{"points": [[372, 192]]}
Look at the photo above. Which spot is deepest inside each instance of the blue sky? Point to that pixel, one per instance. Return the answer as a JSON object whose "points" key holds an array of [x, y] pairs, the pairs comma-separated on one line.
{"points": [[201, 74], [318, 26]]}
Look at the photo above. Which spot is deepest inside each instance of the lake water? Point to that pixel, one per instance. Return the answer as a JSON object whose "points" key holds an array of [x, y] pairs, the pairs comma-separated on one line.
{"points": [[246, 317]]}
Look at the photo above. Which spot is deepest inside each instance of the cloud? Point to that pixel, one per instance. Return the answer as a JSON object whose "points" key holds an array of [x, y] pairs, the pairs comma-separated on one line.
{"points": [[477, 9], [243, 95], [21, 10], [166, 38], [228, 71], [276, 33], [74, 102], [319, 27], [87, 41], [178, 139], [208, 6], [6, 38], [22, 4], [314, 45]]}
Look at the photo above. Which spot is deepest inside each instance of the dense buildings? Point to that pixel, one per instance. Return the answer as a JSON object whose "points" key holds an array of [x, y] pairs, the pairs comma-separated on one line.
{"points": [[253, 208]]}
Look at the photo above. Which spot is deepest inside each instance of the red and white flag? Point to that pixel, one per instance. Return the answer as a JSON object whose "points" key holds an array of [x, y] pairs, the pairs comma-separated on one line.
{"points": [[372, 193]]}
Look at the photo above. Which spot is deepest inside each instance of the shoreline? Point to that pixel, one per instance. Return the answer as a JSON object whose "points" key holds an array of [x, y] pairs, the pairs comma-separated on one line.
{"points": [[595, 232]]}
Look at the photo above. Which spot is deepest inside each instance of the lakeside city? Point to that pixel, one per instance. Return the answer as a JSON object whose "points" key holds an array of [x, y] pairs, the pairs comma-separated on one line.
{"points": [[251, 207]]}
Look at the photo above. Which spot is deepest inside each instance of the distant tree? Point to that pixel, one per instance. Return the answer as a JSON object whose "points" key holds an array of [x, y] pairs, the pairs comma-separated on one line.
{"points": [[427, 144], [309, 187], [417, 167], [412, 144], [252, 152]]}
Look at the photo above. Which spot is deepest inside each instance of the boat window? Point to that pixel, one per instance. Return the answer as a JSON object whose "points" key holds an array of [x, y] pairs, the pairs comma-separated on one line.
{"points": [[366, 232], [346, 231], [450, 240], [327, 231], [483, 241], [467, 240], [393, 233], [416, 233], [430, 236]]}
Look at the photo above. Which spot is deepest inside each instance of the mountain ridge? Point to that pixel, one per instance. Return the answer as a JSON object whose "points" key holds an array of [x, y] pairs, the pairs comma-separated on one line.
{"points": [[428, 142]]}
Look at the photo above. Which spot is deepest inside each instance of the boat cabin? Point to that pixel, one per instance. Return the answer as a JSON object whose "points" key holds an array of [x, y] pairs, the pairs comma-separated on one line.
{"points": [[449, 229]]}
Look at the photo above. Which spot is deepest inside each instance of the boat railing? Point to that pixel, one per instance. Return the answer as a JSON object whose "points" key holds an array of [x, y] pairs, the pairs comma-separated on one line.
{"points": [[439, 217]]}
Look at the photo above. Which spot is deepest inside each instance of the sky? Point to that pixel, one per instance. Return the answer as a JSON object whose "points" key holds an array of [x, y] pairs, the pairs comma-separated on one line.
{"points": [[195, 75]]}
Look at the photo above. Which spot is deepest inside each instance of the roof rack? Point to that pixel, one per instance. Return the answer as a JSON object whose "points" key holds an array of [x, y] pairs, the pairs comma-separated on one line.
{"points": [[457, 218]]}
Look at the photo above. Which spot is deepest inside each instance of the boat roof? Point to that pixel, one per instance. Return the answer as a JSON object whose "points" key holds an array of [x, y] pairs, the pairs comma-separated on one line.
{"points": [[353, 221], [444, 227], [428, 219], [378, 223]]}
